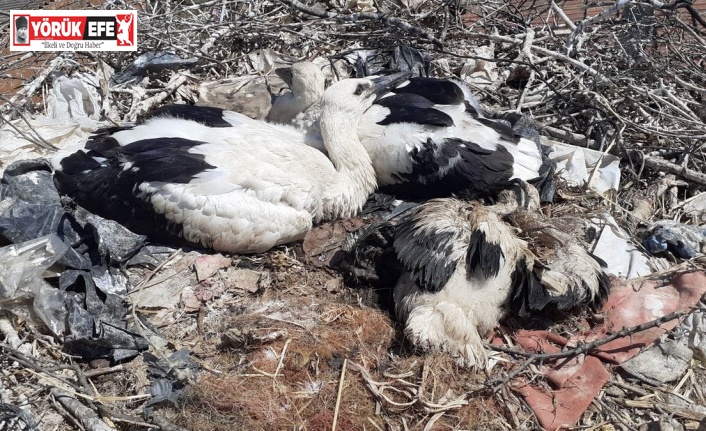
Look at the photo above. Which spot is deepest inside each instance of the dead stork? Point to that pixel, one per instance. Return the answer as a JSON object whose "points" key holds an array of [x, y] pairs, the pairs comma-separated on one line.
{"points": [[568, 273], [232, 183], [461, 263], [464, 266], [427, 137]]}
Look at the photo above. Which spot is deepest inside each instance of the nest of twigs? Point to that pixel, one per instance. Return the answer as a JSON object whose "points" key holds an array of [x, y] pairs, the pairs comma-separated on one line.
{"points": [[626, 79]]}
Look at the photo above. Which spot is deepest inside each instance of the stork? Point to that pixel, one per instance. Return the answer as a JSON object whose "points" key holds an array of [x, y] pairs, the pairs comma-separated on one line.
{"points": [[461, 263], [232, 184], [460, 267], [427, 137]]}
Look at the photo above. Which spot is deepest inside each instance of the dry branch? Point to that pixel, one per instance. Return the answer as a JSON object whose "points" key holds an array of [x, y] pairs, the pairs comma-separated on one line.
{"points": [[30, 89], [662, 165], [362, 16], [532, 358], [678, 410], [146, 105], [592, 20], [87, 417]]}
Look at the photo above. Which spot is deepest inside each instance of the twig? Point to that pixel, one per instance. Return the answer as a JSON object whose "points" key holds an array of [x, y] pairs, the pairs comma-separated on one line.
{"points": [[411, 392], [544, 51], [30, 364], [11, 336], [208, 45], [119, 417], [682, 411], [281, 357], [588, 21], [568, 137], [681, 4], [560, 13], [665, 166], [66, 414], [340, 391], [87, 417], [358, 16], [102, 371], [526, 55], [146, 105], [165, 425], [144, 283], [34, 85], [41, 142]]}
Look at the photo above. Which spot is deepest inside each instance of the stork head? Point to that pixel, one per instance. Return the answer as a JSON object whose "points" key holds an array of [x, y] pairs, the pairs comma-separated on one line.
{"points": [[304, 79], [357, 95]]}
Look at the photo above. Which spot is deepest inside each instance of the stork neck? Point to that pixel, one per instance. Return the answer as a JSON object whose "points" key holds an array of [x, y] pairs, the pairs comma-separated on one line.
{"points": [[355, 179], [307, 99], [340, 136]]}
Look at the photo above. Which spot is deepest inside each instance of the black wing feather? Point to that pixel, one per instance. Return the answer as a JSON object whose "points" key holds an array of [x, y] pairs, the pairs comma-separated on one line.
{"points": [[108, 189], [437, 91], [209, 116], [484, 255], [454, 166], [528, 295], [413, 108], [431, 255]]}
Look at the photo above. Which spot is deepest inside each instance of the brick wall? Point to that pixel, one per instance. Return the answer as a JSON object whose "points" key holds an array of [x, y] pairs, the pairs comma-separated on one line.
{"points": [[538, 13]]}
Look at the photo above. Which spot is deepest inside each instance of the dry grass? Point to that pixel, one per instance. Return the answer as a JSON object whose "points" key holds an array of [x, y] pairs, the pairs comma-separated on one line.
{"points": [[292, 383]]}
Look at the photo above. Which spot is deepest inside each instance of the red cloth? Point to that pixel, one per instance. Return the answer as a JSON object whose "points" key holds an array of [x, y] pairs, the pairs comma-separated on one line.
{"points": [[576, 382]]}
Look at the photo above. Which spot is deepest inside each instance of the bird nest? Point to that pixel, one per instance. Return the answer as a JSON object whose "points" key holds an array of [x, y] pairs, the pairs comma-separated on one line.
{"points": [[280, 340]]}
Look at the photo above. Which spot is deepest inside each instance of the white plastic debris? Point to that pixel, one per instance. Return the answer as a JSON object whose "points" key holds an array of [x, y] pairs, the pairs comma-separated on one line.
{"points": [[73, 110], [623, 258], [695, 208], [581, 166], [21, 269], [74, 99], [693, 330]]}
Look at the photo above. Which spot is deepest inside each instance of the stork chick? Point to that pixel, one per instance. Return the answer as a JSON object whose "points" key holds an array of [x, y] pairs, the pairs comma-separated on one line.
{"points": [[234, 184], [427, 137], [461, 264], [309, 81], [460, 267]]}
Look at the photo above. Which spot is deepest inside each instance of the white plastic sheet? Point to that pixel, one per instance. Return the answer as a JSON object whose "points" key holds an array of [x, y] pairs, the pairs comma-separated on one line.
{"points": [[73, 109], [73, 99], [581, 166], [623, 258]]}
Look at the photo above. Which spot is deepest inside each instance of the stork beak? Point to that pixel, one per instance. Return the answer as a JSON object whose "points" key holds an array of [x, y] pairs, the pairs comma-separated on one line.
{"points": [[285, 73], [383, 84]]}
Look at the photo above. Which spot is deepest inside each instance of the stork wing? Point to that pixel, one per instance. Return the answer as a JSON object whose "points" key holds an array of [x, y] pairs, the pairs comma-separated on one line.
{"points": [[106, 179], [431, 242], [454, 165]]}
